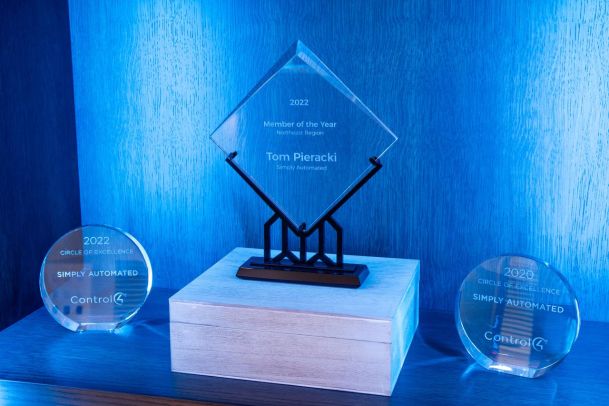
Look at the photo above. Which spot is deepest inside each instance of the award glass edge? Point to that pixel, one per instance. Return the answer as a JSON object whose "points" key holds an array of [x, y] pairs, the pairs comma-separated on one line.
{"points": [[301, 51], [487, 362], [73, 325]]}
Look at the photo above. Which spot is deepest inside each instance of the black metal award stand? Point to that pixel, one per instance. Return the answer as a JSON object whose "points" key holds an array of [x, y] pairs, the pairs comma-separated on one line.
{"points": [[319, 269]]}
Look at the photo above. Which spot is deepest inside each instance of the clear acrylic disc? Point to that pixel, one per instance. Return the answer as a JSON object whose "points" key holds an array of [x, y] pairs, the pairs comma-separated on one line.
{"points": [[517, 315], [95, 278]]}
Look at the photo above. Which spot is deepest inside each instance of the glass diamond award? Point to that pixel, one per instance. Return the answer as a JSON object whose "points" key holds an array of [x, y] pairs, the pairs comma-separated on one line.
{"points": [[517, 315], [95, 278], [305, 144]]}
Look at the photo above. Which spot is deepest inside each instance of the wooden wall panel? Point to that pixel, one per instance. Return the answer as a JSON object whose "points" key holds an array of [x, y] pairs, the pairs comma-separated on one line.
{"points": [[501, 110]]}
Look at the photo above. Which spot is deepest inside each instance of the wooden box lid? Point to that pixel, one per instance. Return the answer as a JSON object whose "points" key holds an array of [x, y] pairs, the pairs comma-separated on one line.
{"points": [[217, 297]]}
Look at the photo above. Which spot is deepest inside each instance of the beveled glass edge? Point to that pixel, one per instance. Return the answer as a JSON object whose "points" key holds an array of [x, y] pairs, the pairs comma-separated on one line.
{"points": [[311, 59], [300, 50], [284, 59], [482, 359]]}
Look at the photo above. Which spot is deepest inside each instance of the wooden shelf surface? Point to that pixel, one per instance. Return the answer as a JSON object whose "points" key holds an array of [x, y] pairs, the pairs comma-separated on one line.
{"points": [[43, 363]]}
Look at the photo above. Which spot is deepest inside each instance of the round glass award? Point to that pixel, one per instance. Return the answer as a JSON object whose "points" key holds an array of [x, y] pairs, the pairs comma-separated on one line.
{"points": [[517, 315], [95, 278]]}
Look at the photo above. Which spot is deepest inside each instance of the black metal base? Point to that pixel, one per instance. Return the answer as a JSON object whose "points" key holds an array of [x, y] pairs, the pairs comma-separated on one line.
{"points": [[299, 266], [347, 275]]}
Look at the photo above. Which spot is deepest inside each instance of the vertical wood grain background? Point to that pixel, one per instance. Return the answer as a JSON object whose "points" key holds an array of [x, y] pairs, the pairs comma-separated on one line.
{"points": [[501, 109]]}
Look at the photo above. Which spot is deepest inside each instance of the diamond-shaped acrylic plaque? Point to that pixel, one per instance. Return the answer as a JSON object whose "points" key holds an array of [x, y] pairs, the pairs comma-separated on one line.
{"points": [[304, 143], [303, 137]]}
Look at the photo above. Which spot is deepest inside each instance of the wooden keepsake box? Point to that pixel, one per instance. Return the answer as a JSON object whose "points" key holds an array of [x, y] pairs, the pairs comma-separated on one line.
{"points": [[317, 336]]}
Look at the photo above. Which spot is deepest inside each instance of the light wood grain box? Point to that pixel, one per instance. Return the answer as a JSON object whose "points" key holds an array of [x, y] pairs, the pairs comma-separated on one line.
{"points": [[325, 337]]}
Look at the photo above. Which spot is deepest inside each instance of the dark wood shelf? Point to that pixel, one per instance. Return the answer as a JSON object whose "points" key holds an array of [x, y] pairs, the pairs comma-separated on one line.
{"points": [[43, 363]]}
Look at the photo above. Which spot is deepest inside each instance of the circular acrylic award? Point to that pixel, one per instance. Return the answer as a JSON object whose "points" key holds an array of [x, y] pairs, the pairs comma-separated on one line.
{"points": [[517, 315], [95, 278]]}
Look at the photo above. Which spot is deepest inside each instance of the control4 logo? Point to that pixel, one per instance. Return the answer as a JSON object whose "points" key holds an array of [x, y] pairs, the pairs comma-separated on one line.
{"points": [[118, 298], [536, 343]]}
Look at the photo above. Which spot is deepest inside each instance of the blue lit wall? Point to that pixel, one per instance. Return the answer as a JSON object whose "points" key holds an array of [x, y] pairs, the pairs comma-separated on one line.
{"points": [[501, 109], [38, 163]]}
